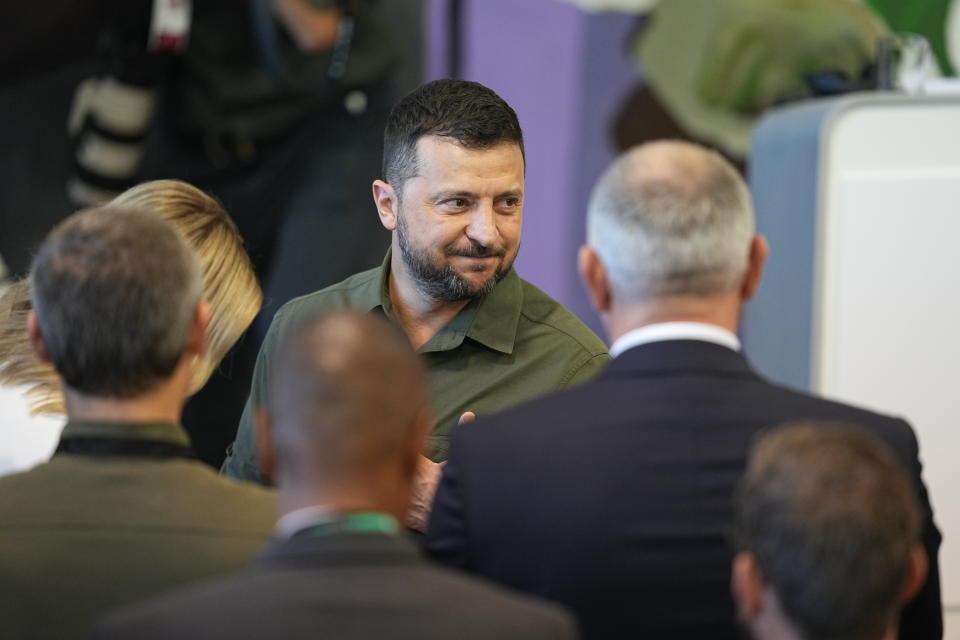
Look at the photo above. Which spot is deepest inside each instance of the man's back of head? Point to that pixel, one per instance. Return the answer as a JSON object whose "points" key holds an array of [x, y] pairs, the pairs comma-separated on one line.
{"points": [[347, 413], [115, 292], [671, 221], [828, 529]]}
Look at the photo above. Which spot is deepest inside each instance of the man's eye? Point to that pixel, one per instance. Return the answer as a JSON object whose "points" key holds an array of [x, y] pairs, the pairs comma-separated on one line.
{"points": [[512, 202], [457, 203]]}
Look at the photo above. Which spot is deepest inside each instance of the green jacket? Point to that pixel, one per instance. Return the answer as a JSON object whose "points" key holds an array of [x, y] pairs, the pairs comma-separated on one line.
{"points": [[90, 531]]}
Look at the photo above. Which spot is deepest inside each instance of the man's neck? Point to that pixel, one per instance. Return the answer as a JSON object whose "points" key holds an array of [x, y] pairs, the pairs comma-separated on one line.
{"points": [[719, 310], [420, 316], [162, 403], [338, 502]]}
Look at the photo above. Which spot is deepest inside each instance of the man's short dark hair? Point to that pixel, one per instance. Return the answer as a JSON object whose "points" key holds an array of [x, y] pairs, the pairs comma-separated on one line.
{"points": [[832, 519], [467, 112], [115, 290]]}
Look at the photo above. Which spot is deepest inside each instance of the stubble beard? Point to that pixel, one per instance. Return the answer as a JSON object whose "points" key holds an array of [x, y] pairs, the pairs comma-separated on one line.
{"points": [[443, 283]]}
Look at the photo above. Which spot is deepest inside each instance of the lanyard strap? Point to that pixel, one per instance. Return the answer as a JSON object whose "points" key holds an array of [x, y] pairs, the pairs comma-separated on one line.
{"points": [[361, 522], [105, 446]]}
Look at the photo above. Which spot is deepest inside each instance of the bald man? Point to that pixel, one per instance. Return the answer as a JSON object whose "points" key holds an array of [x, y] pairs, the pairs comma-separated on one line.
{"points": [[341, 434], [615, 498]]}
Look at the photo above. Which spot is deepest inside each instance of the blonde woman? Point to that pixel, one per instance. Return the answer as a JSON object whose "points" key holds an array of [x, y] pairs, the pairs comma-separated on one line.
{"points": [[30, 386]]}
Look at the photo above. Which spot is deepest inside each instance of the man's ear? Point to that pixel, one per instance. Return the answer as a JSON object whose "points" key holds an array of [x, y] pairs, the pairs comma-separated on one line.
{"points": [[36, 340], [197, 336], [916, 573], [756, 259], [746, 585], [387, 204], [594, 278], [266, 458]]}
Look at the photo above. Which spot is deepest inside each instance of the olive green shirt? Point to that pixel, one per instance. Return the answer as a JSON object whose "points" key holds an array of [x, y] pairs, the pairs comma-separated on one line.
{"points": [[100, 528], [512, 345]]}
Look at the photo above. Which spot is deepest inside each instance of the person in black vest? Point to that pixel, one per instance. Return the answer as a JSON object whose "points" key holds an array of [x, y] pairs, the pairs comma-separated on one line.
{"points": [[341, 434], [615, 497]]}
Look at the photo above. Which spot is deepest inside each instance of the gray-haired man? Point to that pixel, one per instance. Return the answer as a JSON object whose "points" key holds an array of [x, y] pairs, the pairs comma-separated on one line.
{"points": [[614, 497], [122, 511]]}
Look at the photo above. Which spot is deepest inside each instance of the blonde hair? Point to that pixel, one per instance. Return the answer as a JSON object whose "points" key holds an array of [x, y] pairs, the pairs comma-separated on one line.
{"points": [[229, 287]]}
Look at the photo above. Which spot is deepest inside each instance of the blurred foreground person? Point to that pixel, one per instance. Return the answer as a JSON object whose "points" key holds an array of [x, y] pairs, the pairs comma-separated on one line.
{"points": [[341, 434], [229, 288], [828, 536], [615, 497], [123, 511]]}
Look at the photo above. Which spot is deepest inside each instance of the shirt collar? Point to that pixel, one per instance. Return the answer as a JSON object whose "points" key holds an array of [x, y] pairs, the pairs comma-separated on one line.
{"points": [[498, 314], [663, 331], [492, 320], [159, 431], [375, 292], [297, 520], [315, 516]]}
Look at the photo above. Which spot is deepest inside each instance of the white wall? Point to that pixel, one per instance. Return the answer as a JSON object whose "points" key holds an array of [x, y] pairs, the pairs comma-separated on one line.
{"points": [[887, 317]]}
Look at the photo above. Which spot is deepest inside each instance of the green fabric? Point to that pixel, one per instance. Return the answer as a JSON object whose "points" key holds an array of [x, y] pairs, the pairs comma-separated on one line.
{"points": [[84, 534], [717, 64], [515, 344], [361, 522], [926, 17]]}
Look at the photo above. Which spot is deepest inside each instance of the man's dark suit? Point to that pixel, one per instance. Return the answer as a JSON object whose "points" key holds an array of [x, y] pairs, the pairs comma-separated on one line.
{"points": [[616, 497], [346, 585]]}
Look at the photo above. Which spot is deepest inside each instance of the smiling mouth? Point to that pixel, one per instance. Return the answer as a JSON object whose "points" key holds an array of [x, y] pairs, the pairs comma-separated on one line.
{"points": [[478, 263]]}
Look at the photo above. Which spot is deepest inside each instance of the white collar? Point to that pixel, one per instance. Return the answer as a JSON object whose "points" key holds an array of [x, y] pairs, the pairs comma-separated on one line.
{"points": [[661, 331], [300, 519]]}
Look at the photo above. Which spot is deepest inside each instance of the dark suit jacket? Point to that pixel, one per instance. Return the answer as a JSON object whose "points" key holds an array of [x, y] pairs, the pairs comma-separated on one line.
{"points": [[351, 586], [615, 498]]}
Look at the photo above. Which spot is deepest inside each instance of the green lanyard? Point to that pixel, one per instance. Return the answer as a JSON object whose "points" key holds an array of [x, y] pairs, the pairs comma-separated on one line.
{"points": [[361, 522]]}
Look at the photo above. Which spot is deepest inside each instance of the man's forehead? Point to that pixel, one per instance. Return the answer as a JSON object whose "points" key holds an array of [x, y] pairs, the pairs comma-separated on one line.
{"points": [[445, 159]]}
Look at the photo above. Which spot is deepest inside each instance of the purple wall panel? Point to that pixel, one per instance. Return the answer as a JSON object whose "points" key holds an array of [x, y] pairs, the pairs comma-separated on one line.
{"points": [[564, 72]]}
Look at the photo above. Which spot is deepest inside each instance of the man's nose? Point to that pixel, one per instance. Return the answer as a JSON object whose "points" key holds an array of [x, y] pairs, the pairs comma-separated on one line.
{"points": [[483, 225]]}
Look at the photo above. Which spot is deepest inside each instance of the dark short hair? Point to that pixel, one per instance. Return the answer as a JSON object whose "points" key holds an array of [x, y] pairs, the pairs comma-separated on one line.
{"points": [[467, 112], [831, 517], [114, 290]]}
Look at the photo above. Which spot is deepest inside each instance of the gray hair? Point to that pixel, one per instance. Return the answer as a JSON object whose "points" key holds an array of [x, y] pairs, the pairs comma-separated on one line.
{"points": [[671, 218], [115, 290]]}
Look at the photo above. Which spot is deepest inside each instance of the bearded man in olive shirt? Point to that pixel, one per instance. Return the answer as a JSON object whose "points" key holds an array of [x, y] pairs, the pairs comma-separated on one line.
{"points": [[453, 165]]}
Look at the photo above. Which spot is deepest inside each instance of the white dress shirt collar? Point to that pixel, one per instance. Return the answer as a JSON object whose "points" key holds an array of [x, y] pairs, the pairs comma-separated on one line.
{"points": [[661, 331], [299, 519]]}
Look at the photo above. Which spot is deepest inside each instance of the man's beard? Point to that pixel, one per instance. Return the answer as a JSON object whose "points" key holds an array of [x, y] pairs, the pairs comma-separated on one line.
{"points": [[443, 283]]}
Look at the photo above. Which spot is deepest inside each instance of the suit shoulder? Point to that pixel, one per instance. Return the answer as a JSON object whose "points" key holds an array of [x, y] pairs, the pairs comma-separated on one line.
{"points": [[895, 430], [539, 308], [839, 408], [488, 605]]}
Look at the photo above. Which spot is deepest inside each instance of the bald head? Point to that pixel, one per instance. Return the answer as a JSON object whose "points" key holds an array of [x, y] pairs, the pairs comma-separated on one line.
{"points": [[671, 218], [346, 401]]}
